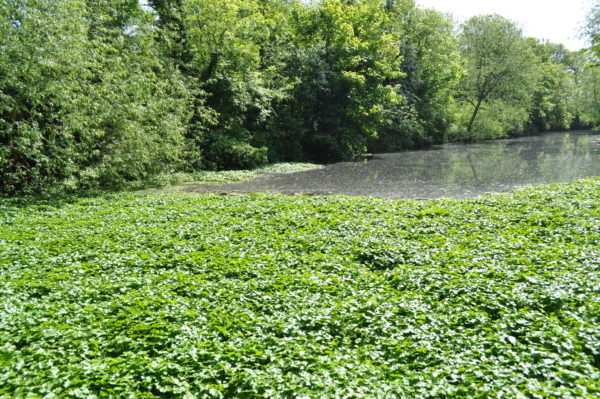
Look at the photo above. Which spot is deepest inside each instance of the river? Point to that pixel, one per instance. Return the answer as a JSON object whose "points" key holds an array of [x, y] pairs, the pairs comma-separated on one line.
{"points": [[450, 170]]}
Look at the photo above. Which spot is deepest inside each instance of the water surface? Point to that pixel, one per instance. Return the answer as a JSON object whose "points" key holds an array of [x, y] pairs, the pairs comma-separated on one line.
{"points": [[452, 170]]}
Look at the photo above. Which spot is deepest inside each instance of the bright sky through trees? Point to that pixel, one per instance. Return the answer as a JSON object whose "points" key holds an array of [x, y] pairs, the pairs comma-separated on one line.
{"points": [[558, 21]]}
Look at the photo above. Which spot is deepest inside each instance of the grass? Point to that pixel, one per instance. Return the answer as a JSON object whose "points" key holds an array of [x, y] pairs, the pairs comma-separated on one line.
{"points": [[181, 296]]}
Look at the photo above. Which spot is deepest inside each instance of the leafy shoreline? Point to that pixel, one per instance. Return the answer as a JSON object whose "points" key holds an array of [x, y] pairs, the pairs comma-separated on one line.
{"points": [[95, 95], [174, 181], [136, 295]]}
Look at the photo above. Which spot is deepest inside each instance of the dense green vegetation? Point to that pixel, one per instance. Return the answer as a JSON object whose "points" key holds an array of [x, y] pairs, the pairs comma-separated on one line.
{"points": [[172, 182], [146, 295], [593, 29], [102, 93], [500, 66], [130, 295]]}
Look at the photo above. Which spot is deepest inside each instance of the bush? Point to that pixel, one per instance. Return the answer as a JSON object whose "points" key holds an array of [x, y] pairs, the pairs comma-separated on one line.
{"points": [[231, 153], [84, 97]]}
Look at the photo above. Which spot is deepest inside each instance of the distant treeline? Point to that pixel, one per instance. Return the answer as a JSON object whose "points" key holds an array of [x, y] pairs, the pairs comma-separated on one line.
{"points": [[97, 93]]}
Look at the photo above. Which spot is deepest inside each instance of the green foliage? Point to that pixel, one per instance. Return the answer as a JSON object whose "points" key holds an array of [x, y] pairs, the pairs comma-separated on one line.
{"points": [[132, 106], [498, 119], [178, 296], [227, 42], [344, 62], [179, 181], [590, 96], [499, 67], [171, 32], [593, 30], [98, 94], [229, 153], [428, 55], [85, 98], [34, 65], [554, 103]]}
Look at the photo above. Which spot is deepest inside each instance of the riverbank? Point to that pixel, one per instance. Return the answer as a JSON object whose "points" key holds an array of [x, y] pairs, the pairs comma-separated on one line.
{"points": [[456, 169], [176, 182], [445, 171], [272, 296]]}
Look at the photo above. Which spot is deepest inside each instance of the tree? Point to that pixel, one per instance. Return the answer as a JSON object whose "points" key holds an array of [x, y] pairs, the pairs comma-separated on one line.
{"points": [[554, 95], [345, 61], [229, 44], [593, 30], [589, 96], [428, 56], [84, 96], [39, 51], [590, 77], [172, 31], [498, 63]]}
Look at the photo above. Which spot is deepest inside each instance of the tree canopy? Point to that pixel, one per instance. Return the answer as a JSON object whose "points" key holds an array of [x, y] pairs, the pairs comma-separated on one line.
{"points": [[593, 29], [498, 63], [98, 93]]}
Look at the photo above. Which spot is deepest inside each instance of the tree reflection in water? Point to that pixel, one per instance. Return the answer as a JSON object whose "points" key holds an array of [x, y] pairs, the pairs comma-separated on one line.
{"points": [[453, 170]]}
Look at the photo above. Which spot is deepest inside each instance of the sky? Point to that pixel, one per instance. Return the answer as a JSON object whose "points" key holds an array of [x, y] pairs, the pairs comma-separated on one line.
{"points": [[558, 21]]}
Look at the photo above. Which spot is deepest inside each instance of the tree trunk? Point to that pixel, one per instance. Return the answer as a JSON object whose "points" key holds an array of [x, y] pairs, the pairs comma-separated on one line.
{"points": [[475, 112]]}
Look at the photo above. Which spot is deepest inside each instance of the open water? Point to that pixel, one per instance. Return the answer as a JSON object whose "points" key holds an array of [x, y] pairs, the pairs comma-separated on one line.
{"points": [[451, 170]]}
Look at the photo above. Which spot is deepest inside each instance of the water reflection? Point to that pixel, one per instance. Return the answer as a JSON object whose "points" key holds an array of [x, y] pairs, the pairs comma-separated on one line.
{"points": [[452, 170]]}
